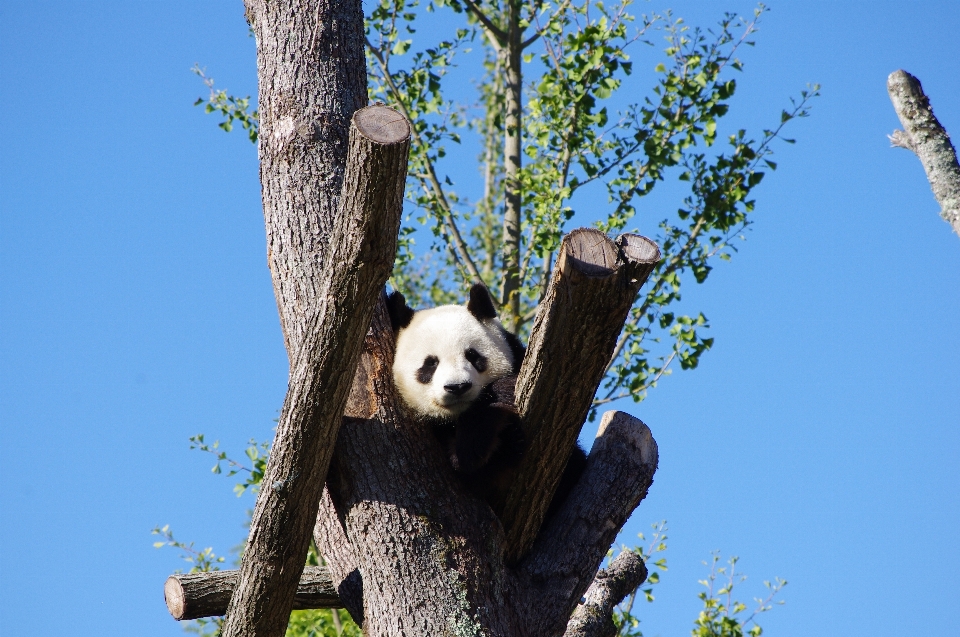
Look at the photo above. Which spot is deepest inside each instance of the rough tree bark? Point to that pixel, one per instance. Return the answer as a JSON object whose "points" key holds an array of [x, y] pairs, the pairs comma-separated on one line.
{"points": [[594, 284], [409, 551], [330, 246], [609, 588], [195, 595], [924, 135], [364, 243]]}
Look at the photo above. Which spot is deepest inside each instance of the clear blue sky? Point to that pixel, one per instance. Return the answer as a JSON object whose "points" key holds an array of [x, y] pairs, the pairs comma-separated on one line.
{"points": [[818, 440]]}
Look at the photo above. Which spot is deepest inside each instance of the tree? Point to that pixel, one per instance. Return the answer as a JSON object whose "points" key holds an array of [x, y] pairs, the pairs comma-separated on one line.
{"points": [[407, 549]]}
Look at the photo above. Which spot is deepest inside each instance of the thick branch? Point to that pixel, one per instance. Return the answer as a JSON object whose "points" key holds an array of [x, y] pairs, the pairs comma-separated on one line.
{"points": [[195, 595], [925, 136], [593, 287], [594, 618], [312, 76], [363, 242], [571, 547]]}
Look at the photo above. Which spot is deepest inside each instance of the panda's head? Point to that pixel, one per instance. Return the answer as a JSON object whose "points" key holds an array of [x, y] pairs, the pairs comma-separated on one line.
{"points": [[446, 355]]}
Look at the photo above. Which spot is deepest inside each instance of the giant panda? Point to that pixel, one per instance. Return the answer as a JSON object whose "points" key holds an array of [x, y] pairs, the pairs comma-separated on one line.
{"points": [[455, 368]]}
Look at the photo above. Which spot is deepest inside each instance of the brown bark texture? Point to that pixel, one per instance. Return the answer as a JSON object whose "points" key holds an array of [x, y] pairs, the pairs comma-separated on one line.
{"points": [[924, 135], [363, 246], [332, 207], [593, 287], [594, 617], [207, 594]]}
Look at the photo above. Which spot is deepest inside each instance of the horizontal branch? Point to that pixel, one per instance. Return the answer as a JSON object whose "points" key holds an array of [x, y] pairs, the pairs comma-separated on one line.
{"points": [[363, 247], [571, 547], [195, 595], [594, 617], [924, 135], [594, 285]]}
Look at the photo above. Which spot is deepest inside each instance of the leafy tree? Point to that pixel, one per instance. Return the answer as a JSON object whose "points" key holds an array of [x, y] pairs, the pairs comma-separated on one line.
{"points": [[555, 141], [552, 141]]}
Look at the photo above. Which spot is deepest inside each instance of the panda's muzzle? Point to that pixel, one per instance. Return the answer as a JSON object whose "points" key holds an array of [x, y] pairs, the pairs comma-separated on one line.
{"points": [[458, 389]]}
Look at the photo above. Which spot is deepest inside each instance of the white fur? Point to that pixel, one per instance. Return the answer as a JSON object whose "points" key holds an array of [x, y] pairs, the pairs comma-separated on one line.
{"points": [[447, 332]]}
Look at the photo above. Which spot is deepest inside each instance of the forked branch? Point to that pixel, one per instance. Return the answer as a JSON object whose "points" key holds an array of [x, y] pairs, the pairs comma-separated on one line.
{"points": [[594, 285], [571, 547]]}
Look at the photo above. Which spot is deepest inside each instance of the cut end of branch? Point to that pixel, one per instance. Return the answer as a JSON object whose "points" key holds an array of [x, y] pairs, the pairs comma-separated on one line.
{"points": [[638, 249], [590, 252], [173, 594], [382, 124], [900, 80], [621, 426]]}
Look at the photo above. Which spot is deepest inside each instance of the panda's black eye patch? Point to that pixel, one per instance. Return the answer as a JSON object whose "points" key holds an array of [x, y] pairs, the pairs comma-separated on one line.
{"points": [[425, 373], [478, 360]]}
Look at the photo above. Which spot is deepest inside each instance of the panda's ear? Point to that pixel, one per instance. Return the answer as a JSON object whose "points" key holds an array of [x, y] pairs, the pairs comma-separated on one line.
{"points": [[480, 304], [400, 313]]}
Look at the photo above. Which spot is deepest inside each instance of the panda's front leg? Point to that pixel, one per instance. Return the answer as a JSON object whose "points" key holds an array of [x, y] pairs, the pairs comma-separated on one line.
{"points": [[478, 435]]}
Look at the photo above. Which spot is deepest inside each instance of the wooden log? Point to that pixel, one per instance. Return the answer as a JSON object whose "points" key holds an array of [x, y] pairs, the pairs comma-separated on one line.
{"points": [[195, 595], [593, 287], [362, 252], [924, 135], [570, 548]]}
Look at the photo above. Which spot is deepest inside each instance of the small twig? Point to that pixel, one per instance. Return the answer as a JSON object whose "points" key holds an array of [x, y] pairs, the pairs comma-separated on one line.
{"points": [[498, 35], [541, 30]]}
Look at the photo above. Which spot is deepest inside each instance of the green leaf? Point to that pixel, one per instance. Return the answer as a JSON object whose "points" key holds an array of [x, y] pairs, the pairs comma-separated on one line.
{"points": [[401, 46]]}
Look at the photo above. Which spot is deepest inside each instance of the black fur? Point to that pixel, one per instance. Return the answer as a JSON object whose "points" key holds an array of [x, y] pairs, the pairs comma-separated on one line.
{"points": [[517, 348], [400, 313], [486, 444], [426, 371], [576, 463], [480, 303], [478, 360]]}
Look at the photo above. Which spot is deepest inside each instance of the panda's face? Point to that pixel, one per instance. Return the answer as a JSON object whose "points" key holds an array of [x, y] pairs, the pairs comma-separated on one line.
{"points": [[445, 357]]}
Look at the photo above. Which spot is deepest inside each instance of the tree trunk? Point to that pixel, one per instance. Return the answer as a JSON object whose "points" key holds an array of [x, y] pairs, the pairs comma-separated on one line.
{"points": [[512, 154], [330, 245]]}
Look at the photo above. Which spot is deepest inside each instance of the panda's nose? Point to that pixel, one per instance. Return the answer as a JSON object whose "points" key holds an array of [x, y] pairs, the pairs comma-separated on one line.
{"points": [[458, 389]]}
